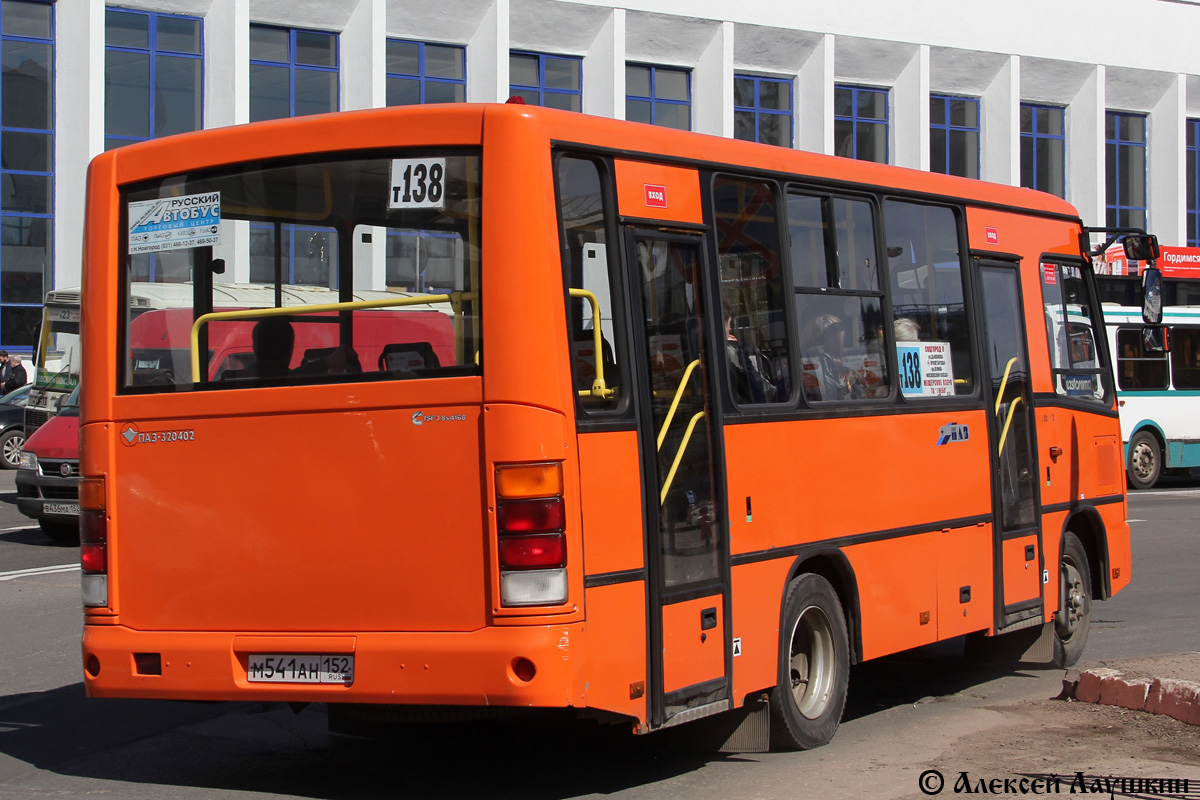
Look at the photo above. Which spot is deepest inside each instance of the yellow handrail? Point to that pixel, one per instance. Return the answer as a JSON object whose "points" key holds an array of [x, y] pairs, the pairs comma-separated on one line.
{"points": [[687, 373], [455, 298], [687, 436], [599, 388], [1004, 433], [1004, 382]]}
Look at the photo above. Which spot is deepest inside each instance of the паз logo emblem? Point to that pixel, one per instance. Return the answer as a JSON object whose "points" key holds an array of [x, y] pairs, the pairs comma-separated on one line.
{"points": [[953, 432], [129, 435]]}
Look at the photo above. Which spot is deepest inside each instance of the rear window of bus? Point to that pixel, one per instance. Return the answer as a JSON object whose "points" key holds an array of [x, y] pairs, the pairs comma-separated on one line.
{"points": [[264, 259]]}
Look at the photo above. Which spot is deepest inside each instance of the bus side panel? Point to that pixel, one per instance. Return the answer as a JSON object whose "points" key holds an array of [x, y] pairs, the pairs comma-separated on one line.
{"points": [[1022, 571], [616, 649], [689, 659], [758, 591], [965, 580], [897, 586], [843, 477], [610, 497], [610, 500]]}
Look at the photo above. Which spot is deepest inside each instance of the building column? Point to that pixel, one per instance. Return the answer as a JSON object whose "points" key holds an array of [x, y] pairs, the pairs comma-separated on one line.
{"points": [[363, 45], [1000, 138], [1167, 165], [487, 56], [604, 69], [712, 85], [227, 102], [78, 126], [813, 102], [1086, 164], [909, 126]]}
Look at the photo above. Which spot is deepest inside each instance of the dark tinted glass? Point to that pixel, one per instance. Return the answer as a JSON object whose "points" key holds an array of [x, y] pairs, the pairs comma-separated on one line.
{"points": [[178, 34]]}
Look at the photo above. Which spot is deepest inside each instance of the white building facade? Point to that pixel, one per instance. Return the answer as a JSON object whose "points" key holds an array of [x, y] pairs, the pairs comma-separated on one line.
{"points": [[1095, 100]]}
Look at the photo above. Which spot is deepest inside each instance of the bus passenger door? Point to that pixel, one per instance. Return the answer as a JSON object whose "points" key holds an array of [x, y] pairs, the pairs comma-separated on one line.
{"points": [[1017, 540], [685, 525]]}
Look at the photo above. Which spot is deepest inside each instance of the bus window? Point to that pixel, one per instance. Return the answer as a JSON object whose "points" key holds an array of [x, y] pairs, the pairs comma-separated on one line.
{"points": [[1137, 369], [1185, 358], [316, 243], [587, 267], [752, 293], [839, 305], [926, 272], [1071, 322]]}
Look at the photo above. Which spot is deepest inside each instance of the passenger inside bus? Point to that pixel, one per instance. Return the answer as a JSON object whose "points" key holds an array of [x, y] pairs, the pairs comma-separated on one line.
{"points": [[747, 377], [824, 348], [273, 340]]}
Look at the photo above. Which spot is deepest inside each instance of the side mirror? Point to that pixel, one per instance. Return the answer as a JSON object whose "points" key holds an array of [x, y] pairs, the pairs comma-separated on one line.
{"points": [[1152, 296], [1155, 339], [1141, 247]]}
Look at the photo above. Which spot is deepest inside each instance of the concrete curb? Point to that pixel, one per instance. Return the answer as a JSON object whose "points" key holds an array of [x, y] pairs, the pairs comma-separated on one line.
{"points": [[1174, 698]]}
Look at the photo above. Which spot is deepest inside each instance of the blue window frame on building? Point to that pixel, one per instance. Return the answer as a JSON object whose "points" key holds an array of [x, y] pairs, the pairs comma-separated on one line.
{"points": [[1043, 148], [153, 75], [422, 72], [954, 135], [26, 168], [545, 80], [860, 123], [1192, 146], [762, 110], [293, 72], [1125, 169], [658, 96]]}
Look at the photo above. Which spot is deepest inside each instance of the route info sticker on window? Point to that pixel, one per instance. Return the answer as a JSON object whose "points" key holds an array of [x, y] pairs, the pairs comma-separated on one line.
{"points": [[175, 223], [925, 369], [418, 183]]}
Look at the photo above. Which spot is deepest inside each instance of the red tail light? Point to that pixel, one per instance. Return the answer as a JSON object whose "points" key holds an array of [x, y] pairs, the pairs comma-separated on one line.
{"points": [[531, 516], [531, 521], [93, 542], [533, 552]]}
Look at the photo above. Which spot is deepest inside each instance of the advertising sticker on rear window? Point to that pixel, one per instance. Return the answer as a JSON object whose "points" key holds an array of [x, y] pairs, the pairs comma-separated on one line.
{"points": [[175, 223]]}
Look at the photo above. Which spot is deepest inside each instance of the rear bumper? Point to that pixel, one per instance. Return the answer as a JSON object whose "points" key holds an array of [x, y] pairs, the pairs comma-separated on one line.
{"points": [[470, 669]]}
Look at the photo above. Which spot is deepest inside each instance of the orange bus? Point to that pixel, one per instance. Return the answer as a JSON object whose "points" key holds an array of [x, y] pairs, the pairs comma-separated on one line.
{"points": [[719, 421]]}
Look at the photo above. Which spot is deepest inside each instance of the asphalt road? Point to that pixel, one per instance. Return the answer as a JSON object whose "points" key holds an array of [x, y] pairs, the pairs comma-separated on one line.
{"points": [[904, 712]]}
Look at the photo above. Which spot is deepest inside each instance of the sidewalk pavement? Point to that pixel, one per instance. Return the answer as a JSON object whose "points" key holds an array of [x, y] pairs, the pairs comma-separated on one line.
{"points": [[1167, 685]]}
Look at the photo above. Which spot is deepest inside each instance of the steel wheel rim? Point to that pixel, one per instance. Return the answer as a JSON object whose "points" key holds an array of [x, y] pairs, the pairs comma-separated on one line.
{"points": [[812, 662], [1076, 606], [12, 449], [1143, 460]]}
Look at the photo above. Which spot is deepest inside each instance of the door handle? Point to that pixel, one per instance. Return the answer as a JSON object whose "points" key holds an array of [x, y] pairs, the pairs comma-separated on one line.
{"points": [[708, 619]]}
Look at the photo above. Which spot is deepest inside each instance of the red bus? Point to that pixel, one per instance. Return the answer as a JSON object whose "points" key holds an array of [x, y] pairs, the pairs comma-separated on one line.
{"points": [[720, 420]]}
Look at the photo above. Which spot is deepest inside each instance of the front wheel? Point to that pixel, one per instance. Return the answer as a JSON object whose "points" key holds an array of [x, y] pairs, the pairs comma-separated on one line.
{"points": [[1073, 619], [11, 442], [814, 670], [1145, 460]]}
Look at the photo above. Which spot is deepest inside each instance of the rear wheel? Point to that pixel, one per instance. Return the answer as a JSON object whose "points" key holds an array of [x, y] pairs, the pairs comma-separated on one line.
{"points": [[61, 532], [11, 442], [806, 706], [1145, 460], [1073, 619]]}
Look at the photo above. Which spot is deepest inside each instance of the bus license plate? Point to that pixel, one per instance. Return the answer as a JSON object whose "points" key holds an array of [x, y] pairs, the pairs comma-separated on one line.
{"points": [[61, 508], [295, 668]]}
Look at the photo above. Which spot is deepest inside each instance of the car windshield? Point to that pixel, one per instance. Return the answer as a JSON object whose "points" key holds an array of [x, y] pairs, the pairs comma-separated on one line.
{"points": [[70, 404], [16, 397]]}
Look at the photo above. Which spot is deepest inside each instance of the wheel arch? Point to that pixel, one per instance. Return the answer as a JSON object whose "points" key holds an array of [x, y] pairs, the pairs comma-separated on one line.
{"points": [[832, 565], [1088, 525], [1155, 430]]}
